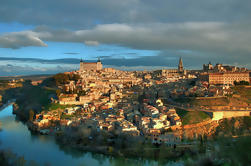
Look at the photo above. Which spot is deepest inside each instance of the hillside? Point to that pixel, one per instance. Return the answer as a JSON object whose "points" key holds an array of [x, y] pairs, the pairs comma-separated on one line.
{"points": [[240, 97], [27, 77], [192, 117]]}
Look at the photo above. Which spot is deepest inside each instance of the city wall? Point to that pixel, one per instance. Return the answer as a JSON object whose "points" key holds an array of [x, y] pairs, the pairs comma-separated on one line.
{"points": [[217, 115]]}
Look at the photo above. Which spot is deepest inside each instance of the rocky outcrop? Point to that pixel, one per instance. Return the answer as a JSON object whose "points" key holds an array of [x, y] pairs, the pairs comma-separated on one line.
{"points": [[194, 131]]}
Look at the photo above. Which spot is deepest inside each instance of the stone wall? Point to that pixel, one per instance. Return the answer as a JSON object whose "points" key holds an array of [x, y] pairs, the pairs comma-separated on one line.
{"points": [[71, 102], [217, 115]]}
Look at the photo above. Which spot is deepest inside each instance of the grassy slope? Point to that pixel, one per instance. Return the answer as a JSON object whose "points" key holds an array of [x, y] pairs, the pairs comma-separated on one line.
{"points": [[212, 102], [243, 100], [34, 98], [244, 92], [235, 126], [192, 117]]}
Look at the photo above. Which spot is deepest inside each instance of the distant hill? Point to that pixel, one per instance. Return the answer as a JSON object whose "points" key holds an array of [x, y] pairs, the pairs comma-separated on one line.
{"points": [[27, 77]]}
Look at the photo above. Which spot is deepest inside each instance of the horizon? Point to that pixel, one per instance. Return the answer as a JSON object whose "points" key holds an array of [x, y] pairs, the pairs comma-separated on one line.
{"points": [[75, 62], [131, 82]]}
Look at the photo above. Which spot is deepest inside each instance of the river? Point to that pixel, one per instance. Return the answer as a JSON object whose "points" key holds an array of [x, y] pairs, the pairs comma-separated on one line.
{"points": [[43, 149]]}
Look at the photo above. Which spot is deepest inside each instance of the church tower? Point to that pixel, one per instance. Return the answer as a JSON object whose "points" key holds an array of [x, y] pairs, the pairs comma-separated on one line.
{"points": [[99, 64], [81, 64], [180, 66]]}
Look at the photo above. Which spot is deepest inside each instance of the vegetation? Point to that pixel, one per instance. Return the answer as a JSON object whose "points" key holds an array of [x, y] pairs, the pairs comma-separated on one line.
{"points": [[119, 145], [229, 152], [8, 158], [34, 98], [31, 115], [241, 97], [241, 83], [192, 117], [4, 85], [243, 92], [55, 106], [212, 102], [62, 78], [234, 126]]}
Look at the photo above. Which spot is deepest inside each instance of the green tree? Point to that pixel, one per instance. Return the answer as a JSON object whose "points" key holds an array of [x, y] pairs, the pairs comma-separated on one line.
{"points": [[61, 78], [241, 83], [31, 115], [58, 92]]}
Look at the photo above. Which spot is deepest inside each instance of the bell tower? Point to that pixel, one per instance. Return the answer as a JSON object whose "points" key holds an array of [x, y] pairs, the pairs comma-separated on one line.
{"points": [[180, 66]]}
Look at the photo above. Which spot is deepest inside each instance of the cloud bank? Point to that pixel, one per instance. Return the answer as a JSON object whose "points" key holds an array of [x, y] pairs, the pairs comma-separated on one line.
{"points": [[199, 31], [80, 14], [217, 38]]}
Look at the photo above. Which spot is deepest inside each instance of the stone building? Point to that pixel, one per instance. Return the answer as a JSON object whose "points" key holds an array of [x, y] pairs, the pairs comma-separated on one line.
{"points": [[222, 68], [208, 67], [84, 66], [225, 77], [180, 66], [172, 72]]}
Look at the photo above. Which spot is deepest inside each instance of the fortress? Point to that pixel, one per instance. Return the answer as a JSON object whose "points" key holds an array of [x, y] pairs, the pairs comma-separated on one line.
{"points": [[90, 65]]}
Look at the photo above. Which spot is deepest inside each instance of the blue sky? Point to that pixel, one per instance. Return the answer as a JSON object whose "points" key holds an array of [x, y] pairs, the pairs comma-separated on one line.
{"points": [[128, 35], [60, 50], [13, 27]]}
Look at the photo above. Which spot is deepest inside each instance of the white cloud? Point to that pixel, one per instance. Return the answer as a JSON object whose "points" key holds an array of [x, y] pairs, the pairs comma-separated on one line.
{"points": [[21, 39], [88, 13], [91, 43], [199, 36]]}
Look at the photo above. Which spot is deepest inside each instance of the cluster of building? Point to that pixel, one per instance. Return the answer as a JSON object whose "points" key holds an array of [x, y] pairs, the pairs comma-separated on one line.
{"points": [[224, 74], [104, 88], [109, 99], [106, 99], [149, 121], [172, 75], [13, 83]]}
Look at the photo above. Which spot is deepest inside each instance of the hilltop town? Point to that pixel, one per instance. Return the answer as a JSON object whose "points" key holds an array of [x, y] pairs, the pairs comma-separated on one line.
{"points": [[111, 100], [163, 106], [140, 103]]}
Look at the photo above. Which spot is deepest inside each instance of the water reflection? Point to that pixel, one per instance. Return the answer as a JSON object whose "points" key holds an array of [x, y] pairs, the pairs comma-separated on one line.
{"points": [[44, 149]]}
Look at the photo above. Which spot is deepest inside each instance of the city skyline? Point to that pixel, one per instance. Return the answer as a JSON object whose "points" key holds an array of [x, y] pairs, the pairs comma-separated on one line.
{"points": [[131, 82]]}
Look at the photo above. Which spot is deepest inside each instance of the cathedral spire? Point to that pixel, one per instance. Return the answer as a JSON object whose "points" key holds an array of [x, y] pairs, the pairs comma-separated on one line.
{"points": [[180, 67]]}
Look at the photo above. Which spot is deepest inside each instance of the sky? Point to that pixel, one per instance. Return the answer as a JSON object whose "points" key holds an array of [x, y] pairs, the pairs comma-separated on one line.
{"points": [[45, 36]]}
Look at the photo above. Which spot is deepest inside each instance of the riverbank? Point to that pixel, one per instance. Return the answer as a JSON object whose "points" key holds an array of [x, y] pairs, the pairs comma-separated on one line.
{"points": [[28, 146], [214, 151], [208, 131], [10, 102], [148, 151]]}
